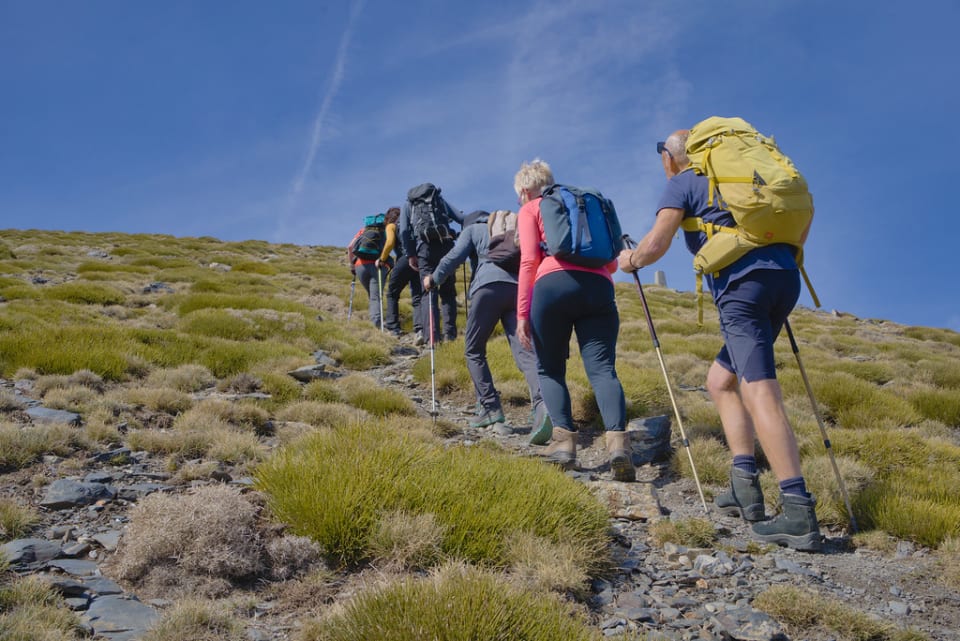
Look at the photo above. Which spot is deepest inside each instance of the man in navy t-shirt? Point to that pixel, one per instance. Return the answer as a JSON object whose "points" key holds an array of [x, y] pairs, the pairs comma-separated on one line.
{"points": [[754, 296]]}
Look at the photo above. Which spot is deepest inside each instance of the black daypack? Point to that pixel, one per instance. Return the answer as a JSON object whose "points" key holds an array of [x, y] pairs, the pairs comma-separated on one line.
{"points": [[428, 216], [372, 238], [580, 226], [504, 246]]}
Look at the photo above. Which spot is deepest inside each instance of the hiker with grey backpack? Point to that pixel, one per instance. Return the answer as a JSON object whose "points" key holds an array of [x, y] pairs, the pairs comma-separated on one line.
{"points": [[493, 295], [569, 242], [427, 236], [755, 287]]}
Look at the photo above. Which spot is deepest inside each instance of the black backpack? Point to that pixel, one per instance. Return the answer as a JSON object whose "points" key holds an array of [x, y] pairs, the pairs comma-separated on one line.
{"points": [[428, 215], [504, 245], [370, 242]]}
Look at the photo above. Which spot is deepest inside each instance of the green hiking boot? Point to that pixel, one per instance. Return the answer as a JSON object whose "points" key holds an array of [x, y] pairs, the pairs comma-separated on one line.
{"points": [[542, 431], [795, 527], [744, 499], [489, 417]]}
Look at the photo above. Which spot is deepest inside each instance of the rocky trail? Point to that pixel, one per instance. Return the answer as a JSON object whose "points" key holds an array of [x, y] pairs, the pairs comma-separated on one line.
{"points": [[667, 592]]}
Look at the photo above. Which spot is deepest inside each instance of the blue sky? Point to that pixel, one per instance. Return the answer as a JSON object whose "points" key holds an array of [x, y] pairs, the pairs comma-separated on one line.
{"points": [[289, 121]]}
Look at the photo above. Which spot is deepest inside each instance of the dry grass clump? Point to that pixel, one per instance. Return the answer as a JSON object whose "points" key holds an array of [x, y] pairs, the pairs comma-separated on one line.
{"points": [[158, 399], [322, 390], [185, 378], [197, 620], [245, 417], [321, 414], [9, 402], [242, 383], [22, 445], [710, 456], [804, 611], [201, 542], [456, 602], [30, 609], [822, 482], [402, 541], [75, 399], [335, 485], [697, 533], [15, 519], [544, 565], [948, 557]]}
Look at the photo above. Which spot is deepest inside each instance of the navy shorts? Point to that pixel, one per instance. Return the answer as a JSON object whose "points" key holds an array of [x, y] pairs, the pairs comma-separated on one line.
{"points": [[752, 312]]}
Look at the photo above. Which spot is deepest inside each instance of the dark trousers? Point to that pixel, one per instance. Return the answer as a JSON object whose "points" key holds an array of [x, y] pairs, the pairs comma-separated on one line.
{"points": [[401, 276], [492, 304], [429, 256], [576, 301]]}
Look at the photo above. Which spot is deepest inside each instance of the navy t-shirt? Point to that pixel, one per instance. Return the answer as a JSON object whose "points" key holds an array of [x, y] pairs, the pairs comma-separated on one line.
{"points": [[689, 192]]}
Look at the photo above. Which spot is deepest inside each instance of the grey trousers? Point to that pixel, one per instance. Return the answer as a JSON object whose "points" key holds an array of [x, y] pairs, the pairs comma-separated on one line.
{"points": [[489, 305], [367, 273]]}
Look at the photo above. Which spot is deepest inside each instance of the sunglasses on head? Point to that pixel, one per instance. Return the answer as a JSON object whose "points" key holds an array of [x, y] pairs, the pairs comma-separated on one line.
{"points": [[662, 147]]}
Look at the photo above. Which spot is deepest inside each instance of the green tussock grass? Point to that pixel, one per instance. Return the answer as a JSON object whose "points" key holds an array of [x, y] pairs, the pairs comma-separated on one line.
{"points": [[457, 604], [197, 620], [31, 610], [85, 294], [698, 533], [335, 486], [15, 519], [803, 610]]}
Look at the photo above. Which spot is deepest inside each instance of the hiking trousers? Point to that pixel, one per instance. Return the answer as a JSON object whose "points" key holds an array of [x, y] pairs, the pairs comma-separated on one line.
{"points": [[429, 256], [571, 301], [491, 304], [367, 273], [401, 276]]}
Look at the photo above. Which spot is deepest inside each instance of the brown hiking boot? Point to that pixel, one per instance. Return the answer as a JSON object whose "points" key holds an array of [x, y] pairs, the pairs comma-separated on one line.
{"points": [[619, 450], [563, 448]]}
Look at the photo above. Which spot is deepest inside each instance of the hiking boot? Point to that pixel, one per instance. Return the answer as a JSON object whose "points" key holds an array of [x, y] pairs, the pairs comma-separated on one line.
{"points": [[541, 432], [795, 527], [502, 429], [563, 448], [489, 417], [744, 499], [621, 464]]}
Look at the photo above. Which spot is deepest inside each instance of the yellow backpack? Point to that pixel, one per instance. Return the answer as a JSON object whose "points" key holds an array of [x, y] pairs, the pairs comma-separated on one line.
{"points": [[757, 184]]}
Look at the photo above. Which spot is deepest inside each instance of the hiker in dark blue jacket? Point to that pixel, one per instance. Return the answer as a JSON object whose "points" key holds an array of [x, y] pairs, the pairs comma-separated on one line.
{"points": [[754, 296], [425, 248], [493, 296]]}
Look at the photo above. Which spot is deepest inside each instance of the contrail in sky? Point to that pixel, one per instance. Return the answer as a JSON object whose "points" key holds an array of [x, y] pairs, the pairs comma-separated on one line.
{"points": [[339, 65]]}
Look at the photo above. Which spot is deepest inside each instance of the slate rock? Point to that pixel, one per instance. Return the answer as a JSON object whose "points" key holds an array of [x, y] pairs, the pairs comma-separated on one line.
{"points": [[744, 624], [23, 551], [46, 415], [66, 493], [311, 373], [74, 567], [120, 619], [108, 540]]}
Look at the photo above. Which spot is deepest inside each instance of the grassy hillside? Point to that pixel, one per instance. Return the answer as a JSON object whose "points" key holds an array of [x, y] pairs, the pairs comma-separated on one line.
{"points": [[139, 308], [182, 347]]}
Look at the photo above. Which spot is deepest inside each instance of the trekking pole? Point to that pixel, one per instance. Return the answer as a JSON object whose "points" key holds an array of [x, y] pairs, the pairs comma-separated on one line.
{"points": [[823, 430], [630, 243], [353, 287], [466, 298], [380, 293], [433, 373]]}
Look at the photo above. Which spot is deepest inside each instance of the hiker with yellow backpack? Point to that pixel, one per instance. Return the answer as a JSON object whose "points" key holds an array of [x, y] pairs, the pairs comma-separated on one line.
{"points": [[745, 212]]}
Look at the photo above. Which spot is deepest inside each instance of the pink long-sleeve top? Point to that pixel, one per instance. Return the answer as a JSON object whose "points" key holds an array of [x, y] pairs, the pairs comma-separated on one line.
{"points": [[534, 263]]}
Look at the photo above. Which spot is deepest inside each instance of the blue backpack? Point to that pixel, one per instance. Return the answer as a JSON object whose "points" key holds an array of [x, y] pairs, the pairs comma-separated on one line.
{"points": [[580, 226]]}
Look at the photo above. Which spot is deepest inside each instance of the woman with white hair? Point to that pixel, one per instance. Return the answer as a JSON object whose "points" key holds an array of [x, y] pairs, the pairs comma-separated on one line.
{"points": [[556, 298]]}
